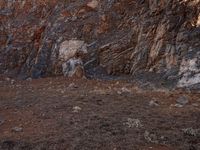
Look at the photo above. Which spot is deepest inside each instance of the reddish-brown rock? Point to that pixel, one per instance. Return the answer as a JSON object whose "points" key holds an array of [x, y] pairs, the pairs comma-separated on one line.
{"points": [[124, 37]]}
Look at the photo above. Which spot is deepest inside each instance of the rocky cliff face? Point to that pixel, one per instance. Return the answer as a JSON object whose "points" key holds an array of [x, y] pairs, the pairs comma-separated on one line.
{"points": [[122, 37]]}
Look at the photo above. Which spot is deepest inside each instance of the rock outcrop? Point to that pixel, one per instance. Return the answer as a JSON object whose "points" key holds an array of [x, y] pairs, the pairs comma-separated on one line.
{"points": [[71, 54], [123, 37]]}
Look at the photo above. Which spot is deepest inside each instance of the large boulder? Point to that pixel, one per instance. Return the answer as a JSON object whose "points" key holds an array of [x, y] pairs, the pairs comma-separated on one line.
{"points": [[71, 54], [71, 48]]}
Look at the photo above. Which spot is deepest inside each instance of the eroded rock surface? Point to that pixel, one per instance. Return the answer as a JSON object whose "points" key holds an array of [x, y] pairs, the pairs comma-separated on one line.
{"points": [[71, 54], [123, 37]]}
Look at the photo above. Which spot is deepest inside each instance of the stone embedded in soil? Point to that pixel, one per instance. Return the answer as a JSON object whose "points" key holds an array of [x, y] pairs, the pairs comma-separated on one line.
{"points": [[153, 103], [191, 131], [76, 109], [29, 79], [17, 129], [1, 121], [7, 79], [72, 85], [195, 105], [93, 4], [183, 100], [178, 105], [124, 90], [133, 123], [150, 137]]}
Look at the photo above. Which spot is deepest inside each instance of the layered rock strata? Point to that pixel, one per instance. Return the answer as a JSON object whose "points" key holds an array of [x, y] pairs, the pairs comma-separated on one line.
{"points": [[123, 37]]}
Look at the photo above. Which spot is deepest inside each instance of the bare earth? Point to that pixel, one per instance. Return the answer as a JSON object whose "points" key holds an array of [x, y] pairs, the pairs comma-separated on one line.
{"points": [[72, 114]]}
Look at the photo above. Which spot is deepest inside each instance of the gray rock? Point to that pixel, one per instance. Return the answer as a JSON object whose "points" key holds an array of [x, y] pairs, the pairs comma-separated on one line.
{"points": [[178, 105], [183, 100], [1, 121], [150, 137], [191, 131], [190, 72], [29, 79], [133, 123], [153, 36]]}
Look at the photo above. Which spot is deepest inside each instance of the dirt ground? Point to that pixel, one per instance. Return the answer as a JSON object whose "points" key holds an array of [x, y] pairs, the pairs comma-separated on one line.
{"points": [[71, 114]]}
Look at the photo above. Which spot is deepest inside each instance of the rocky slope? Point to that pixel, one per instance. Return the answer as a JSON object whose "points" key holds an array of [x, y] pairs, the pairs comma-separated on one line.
{"points": [[121, 37]]}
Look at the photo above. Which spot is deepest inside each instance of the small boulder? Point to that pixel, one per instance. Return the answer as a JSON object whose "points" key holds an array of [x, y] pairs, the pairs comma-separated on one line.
{"points": [[150, 137], [76, 109], [133, 123], [183, 100], [178, 105], [72, 86], [17, 129], [93, 4], [153, 103], [1, 121], [191, 132]]}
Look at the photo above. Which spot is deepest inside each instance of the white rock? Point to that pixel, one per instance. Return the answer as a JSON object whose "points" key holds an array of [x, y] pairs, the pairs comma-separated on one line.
{"points": [[125, 90], [12, 81], [17, 129], [190, 73], [93, 4], [191, 131], [133, 123], [70, 54], [29, 79], [76, 109], [153, 103], [119, 92], [178, 105], [69, 49]]}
